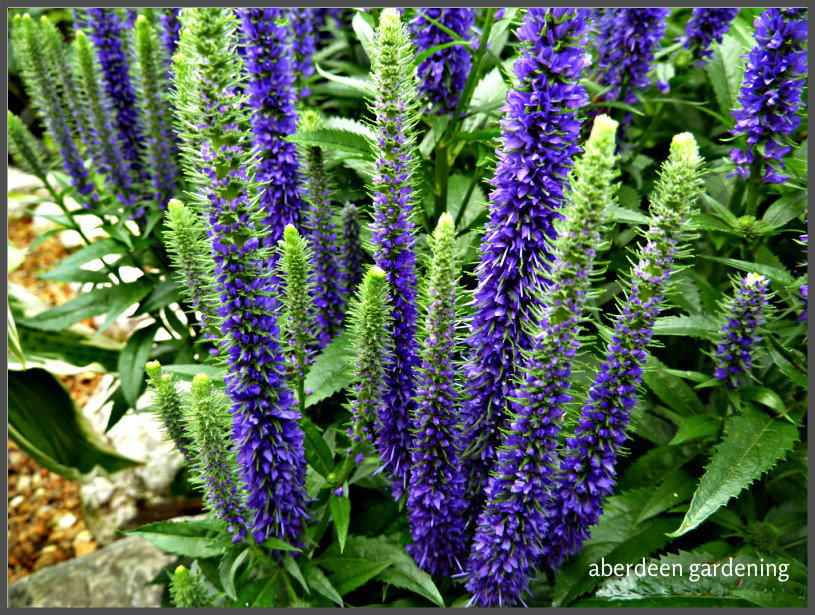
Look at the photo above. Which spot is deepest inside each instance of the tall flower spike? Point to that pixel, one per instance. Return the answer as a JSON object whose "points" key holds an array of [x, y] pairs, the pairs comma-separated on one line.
{"points": [[108, 35], [512, 525], [327, 290], [393, 230], [540, 127], [588, 463], [442, 74], [743, 314], [272, 98], [435, 501], [301, 24], [704, 27], [167, 406], [626, 43], [189, 248], [187, 590], [160, 147], [351, 250], [265, 419], [207, 423], [24, 148], [774, 78], [59, 66], [170, 29], [51, 108], [296, 274], [105, 146], [369, 317]]}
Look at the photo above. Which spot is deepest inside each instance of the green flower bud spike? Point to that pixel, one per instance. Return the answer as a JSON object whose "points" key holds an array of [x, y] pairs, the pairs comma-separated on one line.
{"points": [[208, 423], [298, 320], [187, 590], [167, 406], [25, 150]]}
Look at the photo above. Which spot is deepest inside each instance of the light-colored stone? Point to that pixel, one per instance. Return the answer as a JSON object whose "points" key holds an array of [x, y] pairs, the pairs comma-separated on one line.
{"points": [[65, 521], [23, 483], [16, 501], [115, 576]]}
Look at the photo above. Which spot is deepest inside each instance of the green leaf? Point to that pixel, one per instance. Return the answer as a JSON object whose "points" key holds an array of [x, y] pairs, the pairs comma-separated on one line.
{"points": [[351, 85], [656, 464], [318, 455], [349, 573], [14, 345], [124, 296], [364, 31], [331, 371], [773, 273], [673, 391], [695, 427], [319, 582], [675, 489], [163, 294], [193, 538], [228, 568], [429, 52], [341, 514], [698, 325], [335, 139], [725, 71], [764, 396], [69, 268], [691, 579], [617, 539], [789, 207], [785, 366], [44, 422], [97, 301], [188, 371], [403, 573], [16, 257], [132, 361], [290, 565], [753, 443], [278, 545], [629, 216]]}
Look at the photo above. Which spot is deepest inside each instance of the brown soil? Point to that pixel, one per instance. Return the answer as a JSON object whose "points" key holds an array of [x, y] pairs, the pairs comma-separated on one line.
{"points": [[45, 524]]}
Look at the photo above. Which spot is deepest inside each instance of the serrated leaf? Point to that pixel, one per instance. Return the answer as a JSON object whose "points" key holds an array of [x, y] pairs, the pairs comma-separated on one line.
{"points": [[753, 443], [675, 489], [319, 582], [70, 269], [132, 361], [764, 396], [673, 391], [691, 578], [695, 427], [340, 507], [318, 455], [194, 538], [617, 538], [349, 573], [787, 207], [773, 273], [352, 85], [337, 139], [725, 71], [330, 372], [96, 301], [228, 568], [785, 365], [657, 463], [403, 573], [698, 325]]}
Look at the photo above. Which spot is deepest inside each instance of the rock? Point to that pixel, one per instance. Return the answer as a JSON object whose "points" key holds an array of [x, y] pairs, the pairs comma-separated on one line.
{"points": [[16, 501], [65, 521], [138, 495], [24, 483], [115, 576]]}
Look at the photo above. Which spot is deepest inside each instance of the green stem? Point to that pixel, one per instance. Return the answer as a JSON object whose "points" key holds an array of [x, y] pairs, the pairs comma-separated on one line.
{"points": [[643, 140], [473, 183], [442, 147], [753, 189]]}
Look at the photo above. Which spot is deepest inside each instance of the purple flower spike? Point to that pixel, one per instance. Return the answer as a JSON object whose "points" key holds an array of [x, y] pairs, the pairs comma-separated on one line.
{"points": [[435, 501], [393, 233], [770, 97], [352, 253], [108, 36], [442, 74], [704, 27], [744, 314], [265, 418], [272, 98], [539, 133], [587, 470], [301, 24], [170, 29], [626, 44], [803, 289]]}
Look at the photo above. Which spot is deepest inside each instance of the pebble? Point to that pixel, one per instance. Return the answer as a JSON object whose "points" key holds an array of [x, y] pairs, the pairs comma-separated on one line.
{"points": [[24, 483], [65, 521], [16, 501]]}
